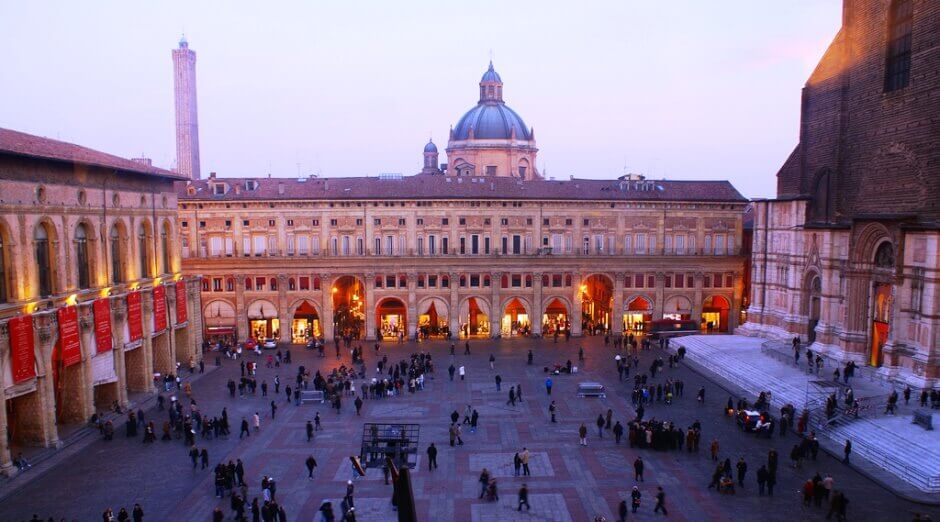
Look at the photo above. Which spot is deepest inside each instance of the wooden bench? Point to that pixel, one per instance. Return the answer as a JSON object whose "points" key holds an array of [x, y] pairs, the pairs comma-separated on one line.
{"points": [[923, 418], [591, 389], [311, 396]]}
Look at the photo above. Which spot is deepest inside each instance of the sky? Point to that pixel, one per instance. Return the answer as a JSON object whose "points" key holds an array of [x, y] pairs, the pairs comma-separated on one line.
{"points": [[686, 89]]}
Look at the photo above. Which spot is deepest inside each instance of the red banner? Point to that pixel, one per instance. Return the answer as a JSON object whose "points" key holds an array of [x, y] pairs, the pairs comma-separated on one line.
{"points": [[159, 308], [69, 343], [102, 308], [135, 326], [181, 302], [22, 356]]}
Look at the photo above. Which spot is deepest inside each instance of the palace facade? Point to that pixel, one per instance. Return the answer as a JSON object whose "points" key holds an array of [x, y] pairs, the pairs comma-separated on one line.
{"points": [[93, 302], [847, 257], [483, 245]]}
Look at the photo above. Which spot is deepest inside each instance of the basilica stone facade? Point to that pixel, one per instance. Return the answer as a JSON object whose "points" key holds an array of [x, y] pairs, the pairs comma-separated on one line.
{"points": [[93, 302], [847, 257], [480, 246]]}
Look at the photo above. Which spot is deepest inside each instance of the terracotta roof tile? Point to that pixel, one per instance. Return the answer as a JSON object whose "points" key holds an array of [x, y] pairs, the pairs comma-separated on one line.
{"points": [[447, 187], [22, 144]]}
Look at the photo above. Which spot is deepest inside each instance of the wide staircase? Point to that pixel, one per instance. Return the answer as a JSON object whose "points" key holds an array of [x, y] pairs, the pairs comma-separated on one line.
{"points": [[885, 448]]}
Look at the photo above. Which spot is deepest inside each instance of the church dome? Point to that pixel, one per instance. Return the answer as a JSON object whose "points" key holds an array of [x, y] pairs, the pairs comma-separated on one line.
{"points": [[430, 147], [491, 75], [491, 120]]}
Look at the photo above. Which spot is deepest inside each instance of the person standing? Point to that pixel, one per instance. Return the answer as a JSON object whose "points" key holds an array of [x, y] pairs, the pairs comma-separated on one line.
{"points": [[311, 464], [204, 458], [552, 409], [309, 431], [492, 362], [660, 501], [600, 426], [499, 382], [742, 470], [635, 497], [452, 370], [194, 456], [525, 462], [462, 371], [512, 396], [138, 513], [358, 404], [273, 410], [761, 479], [847, 450], [432, 457], [524, 498], [466, 348], [622, 511], [582, 434], [618, 432], [316, 422], [548, 386], [256, 421], [638, 469], [714, 450], [244, 431]]}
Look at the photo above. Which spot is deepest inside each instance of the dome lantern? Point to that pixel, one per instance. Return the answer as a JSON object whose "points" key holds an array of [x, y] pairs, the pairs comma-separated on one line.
{"points": [[491, 86]]}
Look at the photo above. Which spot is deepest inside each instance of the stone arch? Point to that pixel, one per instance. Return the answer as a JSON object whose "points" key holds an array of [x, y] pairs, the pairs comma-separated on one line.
{"points": [[512, 322], [167, 246], [91, 252], [678, 305], [263, 319], [391, 316], [8, 269], [298, 302], [637, 313], [554, 322], [716, 310], [632, 300], [433, 316], [47, 268], [477, 323], [547, 300], [867, 241], [811, 305], [440, 305]]}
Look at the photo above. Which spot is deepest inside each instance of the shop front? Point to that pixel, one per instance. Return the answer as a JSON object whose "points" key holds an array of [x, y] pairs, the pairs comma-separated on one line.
{"points": [[262, 320]]}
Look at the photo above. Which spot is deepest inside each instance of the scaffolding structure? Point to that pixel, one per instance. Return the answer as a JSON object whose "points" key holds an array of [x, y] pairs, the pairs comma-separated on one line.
{"points": [[396, 441]]}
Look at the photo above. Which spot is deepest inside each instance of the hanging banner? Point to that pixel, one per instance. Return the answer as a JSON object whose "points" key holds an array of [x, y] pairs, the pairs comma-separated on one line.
{"points": [[102, 309], [135, 326], [22, 354], [181, 302], [69, 342], [159, 308]]}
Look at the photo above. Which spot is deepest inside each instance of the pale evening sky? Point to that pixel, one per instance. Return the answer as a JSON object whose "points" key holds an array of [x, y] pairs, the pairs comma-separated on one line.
{"points": [[683, 90]]}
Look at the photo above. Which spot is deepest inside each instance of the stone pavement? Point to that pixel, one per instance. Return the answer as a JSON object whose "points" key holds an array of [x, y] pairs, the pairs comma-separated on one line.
{"points": [[895, 448], [568, 482]]}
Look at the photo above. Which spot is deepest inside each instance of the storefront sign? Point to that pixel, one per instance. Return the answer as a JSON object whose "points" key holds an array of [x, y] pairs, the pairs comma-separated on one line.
{"points": [[181, 302], [69, 344], [102, 309], [135, 326], [22, 356], [159, 308]]}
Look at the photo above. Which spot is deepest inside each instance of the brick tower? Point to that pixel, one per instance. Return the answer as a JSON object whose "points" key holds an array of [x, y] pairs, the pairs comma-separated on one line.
{"points": [[187, 123]]}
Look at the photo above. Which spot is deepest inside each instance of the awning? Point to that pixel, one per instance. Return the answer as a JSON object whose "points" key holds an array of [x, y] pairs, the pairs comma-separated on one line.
{"points": [[220, 330]]}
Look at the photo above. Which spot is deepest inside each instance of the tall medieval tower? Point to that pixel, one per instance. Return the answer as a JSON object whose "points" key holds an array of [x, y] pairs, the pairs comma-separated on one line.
{"points": [[187, 123]]}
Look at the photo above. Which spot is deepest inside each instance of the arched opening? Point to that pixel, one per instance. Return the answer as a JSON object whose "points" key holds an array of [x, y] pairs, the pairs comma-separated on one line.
{"points": [[43, 239], [515, 319], [262, 320], [638, 315], [715, 314], [555, 320], [814, 307], [677, 308], [882, 301], [348, 306], [305, 324], [474, 317], [82, 259], [597, 297], [219, 320], [118, 253], [165, 249], [4, 266], [432, 318], [390, 319], [143, 250]]}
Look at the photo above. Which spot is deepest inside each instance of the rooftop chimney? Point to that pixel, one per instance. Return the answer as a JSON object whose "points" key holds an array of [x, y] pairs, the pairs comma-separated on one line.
{"points": [[280, 187], [143, 161]]}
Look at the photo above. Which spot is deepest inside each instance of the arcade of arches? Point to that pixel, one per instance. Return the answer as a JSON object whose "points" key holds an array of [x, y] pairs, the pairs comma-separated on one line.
{"points": [[358, 306]]}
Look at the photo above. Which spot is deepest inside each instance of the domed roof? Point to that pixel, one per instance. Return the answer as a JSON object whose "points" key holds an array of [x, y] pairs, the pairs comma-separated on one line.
{"points": [[491, 121], [491, 75], [430, 147]]}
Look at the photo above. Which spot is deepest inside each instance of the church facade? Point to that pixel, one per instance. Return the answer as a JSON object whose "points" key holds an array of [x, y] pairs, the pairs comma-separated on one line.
{"points": [[847, 256], [480, 246]]}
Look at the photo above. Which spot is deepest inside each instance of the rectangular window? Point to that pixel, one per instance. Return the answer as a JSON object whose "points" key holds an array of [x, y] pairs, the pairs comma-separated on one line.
{"points": [[217, 284], [719, 245], [641, 243], [729, 280], [315, 245], [505, 249], [390, 245], [334, 246], [215, 246], [680, 244], [346, 245], [667, 281], [420, 245], [272, 245], [270, 222], [556, 280], [516, 244], [504, 221], [444, 247], [667, 244], [490, 170], [304, 283], [475, 244], [360, 246], [917, 290], [316, 222], [558, 242], [389, 281], [229, 246], [653, 250], [486, 245], [432, 281], [638, 280], [377, 221], [516, 280], [420, 281], [246, 246], [651, 281], [680, 281], [898, 60], [475, 280], [302, 245], [689, 281], [259, 284], [260, 244], [628, 281], [290, 245], [598, 244], [378, 246], [462, 245], [419, 221], [401, 222], [432, 245], [708, 245], [731, 251], [462, 221]]}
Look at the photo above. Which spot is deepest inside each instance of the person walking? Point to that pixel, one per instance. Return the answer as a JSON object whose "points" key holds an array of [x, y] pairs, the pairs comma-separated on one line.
{"points": [[635, 497], [462, 371], [316, 422], [524, 498], [742, 470], [358, 404], [466, 348], [638, 469], [714, 450], [204, 458], [244, 431], [552, 409], [311, 465], [512, 396], [432, 457], [582, 434], [492, 362], [600, 426], [256, 421], [451, 370], [660, 501], [309, 431], [273, 410], [194, 456], [499, 382], [847, 450], [548, 386], [622, 511], [618, 432], [484, 479], [761, 479]]}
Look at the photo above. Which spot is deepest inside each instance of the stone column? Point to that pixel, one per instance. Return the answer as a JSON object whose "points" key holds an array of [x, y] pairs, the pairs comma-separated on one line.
{"points": [[118, 318], [46, 333], [194, 328], [454, 324], [326, 290], [6, 460], [616, 311], [85, 328], [368, 306], [734, 314], [660, 296], [412, 303], [147, 346], [496, 310], [699, 278], [177, 353], [285, 317], [537, 310], [241, 309], [577, 304]]}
